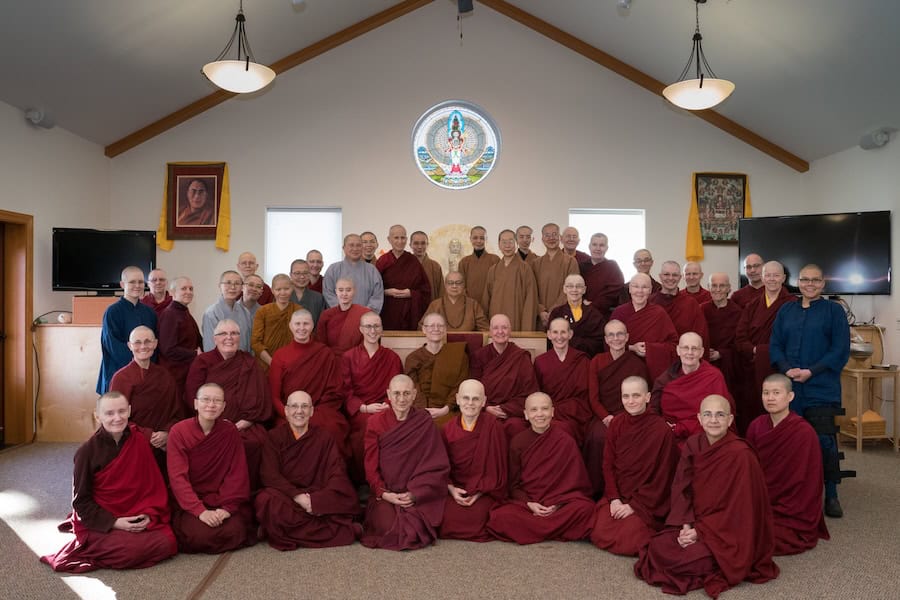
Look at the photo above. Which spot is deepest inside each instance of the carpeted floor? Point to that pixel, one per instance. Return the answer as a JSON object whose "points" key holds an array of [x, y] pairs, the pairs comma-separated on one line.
{"points": [[860, 561]]}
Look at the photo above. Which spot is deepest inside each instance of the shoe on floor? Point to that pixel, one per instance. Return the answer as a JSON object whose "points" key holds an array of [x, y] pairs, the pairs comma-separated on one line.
{"points": [[833, 508]]}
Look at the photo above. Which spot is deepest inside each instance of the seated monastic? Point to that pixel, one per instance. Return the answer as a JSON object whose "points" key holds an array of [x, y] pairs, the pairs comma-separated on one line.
{"points": [[719, 529], [408, 472], [677, 392], [311, 366], [562, 374], [209, 479], [179, 336], [120, 508], [437, 369], [639, 464], [366, 371], [338, 326], [791, 459], [307, 500], [461, 312], [549, 491], [585, 320], [507, 374], [270, 325], [651, 334], [478, 453]]}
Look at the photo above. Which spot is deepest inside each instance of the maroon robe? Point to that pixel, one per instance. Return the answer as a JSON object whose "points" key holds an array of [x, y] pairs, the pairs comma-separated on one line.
{"points": [[313, 368], [158, 307], [405, 272], [721, 489], [566, 382], [747, 294], [700, 296], [723, 324], [317, 285], [685, 314], [639, 464], [478, 464], [404, 456], [791, 460], [111, 481], [339, 329], [544, 468], [209, 471], [151, 393], [587, 331], [179, 340], [677, 396], [604, 282], [652, 326], [310, 465], [508, 379]]}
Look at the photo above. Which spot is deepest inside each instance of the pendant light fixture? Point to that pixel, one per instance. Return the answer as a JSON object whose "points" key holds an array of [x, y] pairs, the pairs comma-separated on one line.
{"points": [[704, 91], [243, 75]]}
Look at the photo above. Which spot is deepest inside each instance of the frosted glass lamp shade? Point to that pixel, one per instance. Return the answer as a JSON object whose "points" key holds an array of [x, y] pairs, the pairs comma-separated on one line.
{"points": [[689, 95], [235, 76]]}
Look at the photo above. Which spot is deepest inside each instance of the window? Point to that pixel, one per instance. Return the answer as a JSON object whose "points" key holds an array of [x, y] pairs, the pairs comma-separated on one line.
{"points": [[292, 232], [623, 226]]}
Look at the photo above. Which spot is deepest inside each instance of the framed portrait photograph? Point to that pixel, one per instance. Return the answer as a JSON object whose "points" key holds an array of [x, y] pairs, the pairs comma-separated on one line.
{"points": [[721, 201], [192, 200]]}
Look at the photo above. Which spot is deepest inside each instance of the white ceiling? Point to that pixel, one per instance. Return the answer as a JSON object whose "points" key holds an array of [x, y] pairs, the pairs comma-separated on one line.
{"points": [[812, 75]]}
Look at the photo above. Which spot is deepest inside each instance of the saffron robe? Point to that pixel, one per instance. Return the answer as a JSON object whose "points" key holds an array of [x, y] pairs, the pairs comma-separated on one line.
{"points": [[588, 330], [119, 319], [463, 315], [479, 465], [403, 272], [544, 468], [701, 296], [313, 368], [638, 464], [566, 382], [550, 273], [206, 472], [339, 329], [508, 379], [152, 394], [791, 460], [179, 340], [404, 456], [721, 489], [685, 314], [723, 324], [474, 270], [158, 307], [604, 283], [747, 294], [511, 290], [437, 376], [652, 326], [435, 276], [271, 330], [677, 396], [111, 481], [310, 464]]}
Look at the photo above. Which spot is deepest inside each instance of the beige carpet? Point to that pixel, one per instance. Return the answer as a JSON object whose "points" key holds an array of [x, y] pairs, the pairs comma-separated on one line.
{"points": [[860, 561]]}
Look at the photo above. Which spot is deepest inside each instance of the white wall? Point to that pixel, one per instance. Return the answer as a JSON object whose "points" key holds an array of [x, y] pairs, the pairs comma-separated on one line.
{"points": [[336, 131], [60, 179]]}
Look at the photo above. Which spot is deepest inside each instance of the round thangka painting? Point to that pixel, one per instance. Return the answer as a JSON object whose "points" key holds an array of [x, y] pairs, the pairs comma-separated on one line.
{"points": [[455, 144]]}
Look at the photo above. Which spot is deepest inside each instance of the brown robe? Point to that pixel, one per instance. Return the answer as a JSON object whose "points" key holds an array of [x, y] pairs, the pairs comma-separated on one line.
{"points": [[435, 276], [474, 270], [271, 329], [550, 273], [437, 376], [463, 315], [511, 290]]}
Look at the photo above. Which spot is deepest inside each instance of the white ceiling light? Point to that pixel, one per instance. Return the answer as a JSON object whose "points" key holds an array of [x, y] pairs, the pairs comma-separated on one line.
{"points": [[705, 90], [243, 75]]}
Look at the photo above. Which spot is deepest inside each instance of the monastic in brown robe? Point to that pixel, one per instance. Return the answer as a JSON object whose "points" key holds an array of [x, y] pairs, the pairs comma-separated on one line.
{"points": [[405, 272], [511, 290], [437, 376], [604, 282], [271, 329], [463, 315], [566, 382], [435, 276], [508, 379], [474, 270], [550, 273], [652, 326]]}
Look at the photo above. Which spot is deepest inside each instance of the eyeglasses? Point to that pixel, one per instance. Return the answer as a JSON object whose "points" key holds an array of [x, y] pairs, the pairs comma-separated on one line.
{"points": [[300, 273], [719, 415], [434, 326], [753, 266], [454, 282], [143, 342], [816, 280], [227, 334], [616, 334], [233, 283], [254, 286], [642, 261], [304, 407], [211, 401], [371, 327], [570, 286]]}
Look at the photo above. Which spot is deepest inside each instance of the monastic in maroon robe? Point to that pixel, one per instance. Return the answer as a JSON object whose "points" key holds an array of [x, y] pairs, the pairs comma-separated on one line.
{"points": [[151, 393], [508, 379], [685, 314], [723, 324], [310, 464], [566, 382], [752, 338], [404, 456], [639, 464], [179, 339], [747, 294], [721, 489], [701, 296], [478, 464], [605, 377], [366, 380], [339, 329], [677, 396], [544, 468], [158, 307], [587, 331], [791, 460], [406, 272], [652, 326], [604, 282], [313, 368], [316, 285], [112, 481]]}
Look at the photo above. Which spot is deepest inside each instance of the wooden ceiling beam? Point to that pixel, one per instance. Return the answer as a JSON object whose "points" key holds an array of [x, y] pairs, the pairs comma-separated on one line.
{"points": [[642, 79]]}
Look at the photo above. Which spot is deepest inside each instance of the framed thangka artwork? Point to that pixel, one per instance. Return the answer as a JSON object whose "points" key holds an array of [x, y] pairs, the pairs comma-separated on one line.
{"points": [[455, 144], [721, 201]]}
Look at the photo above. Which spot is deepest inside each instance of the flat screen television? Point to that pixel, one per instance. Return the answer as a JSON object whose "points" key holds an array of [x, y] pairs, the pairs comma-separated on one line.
{"points": [[853, 249], [91, 260]]}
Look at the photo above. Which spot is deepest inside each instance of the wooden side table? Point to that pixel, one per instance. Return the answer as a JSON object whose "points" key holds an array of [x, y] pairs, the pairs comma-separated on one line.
{"points": [[861, 397]]}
